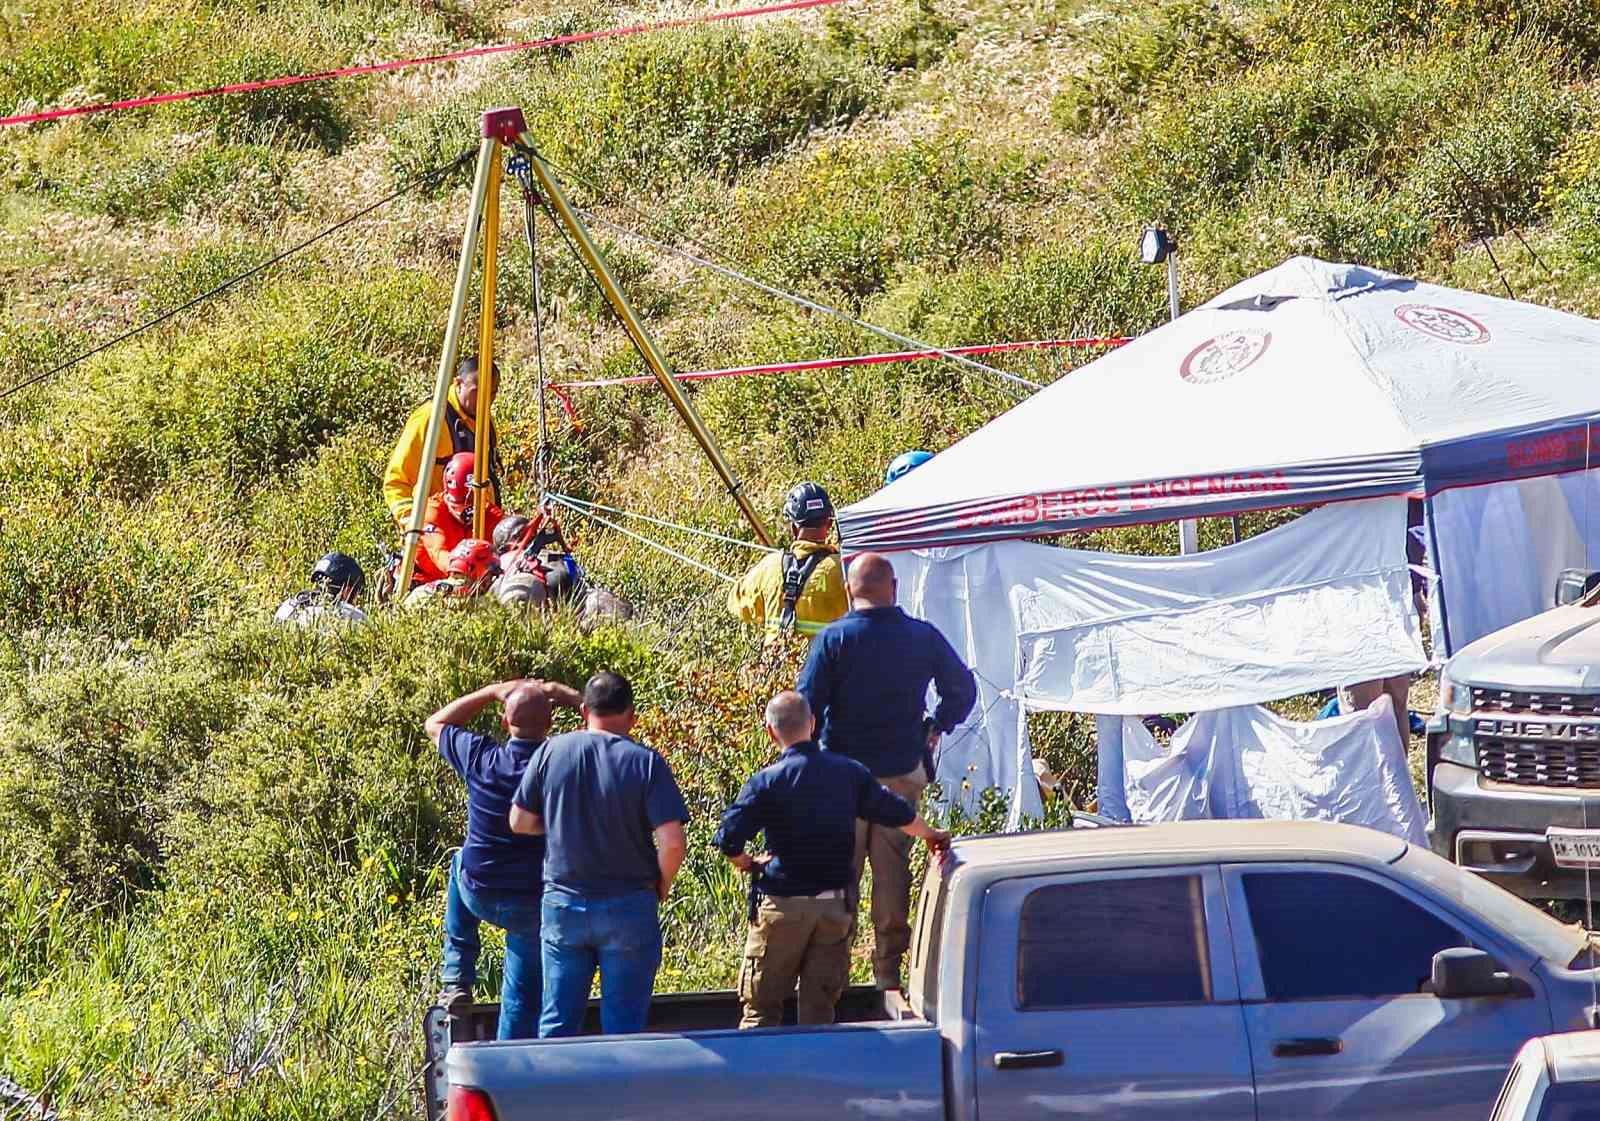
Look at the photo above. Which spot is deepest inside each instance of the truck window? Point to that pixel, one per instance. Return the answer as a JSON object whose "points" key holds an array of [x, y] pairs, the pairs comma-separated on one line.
{"points": [[1140, 940], [1571, 1101], [1324, 934]]}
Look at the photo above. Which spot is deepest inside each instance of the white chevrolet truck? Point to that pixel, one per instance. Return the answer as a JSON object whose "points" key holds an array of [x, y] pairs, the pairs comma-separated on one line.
{"points": [[1514, 755]]}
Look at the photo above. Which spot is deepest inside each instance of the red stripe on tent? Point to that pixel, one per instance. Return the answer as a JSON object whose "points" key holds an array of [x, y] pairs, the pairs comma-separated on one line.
{"points": [[63, 112], [853, 360]]}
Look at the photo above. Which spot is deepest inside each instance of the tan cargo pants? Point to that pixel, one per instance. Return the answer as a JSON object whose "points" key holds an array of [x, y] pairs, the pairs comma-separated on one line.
{"points": [[889, 852], [795, 938]]}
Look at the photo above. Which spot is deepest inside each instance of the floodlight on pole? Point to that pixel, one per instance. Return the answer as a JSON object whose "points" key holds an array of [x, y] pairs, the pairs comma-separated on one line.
{"points": [[1157, 246]]}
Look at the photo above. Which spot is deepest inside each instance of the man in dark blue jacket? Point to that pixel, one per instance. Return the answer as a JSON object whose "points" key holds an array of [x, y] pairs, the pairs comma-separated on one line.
{"points": [[496, 877], [807, 804], [866, 679]]}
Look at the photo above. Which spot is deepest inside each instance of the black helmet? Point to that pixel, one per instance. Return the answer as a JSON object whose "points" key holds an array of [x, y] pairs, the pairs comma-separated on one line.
{"points": [[807, 505], [509, 532], [338, 575]]}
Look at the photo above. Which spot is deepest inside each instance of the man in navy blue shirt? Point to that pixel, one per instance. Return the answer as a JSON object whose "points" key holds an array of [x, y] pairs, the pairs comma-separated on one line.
{"points": [[807, 803], [866, 678], [495, 877], [613, 818]]}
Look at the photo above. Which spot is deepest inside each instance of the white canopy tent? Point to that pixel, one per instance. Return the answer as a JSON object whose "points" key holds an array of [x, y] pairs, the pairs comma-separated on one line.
{"points": [[1311, 383]]}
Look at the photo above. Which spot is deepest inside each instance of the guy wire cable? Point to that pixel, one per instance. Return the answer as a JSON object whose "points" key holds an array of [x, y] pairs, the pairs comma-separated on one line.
{"points": [[132, 332], [728, 269]]}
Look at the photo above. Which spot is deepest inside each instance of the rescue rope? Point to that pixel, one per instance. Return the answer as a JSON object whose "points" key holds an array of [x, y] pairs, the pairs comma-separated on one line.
{"points": [[65, 111], [809, 304], [689, 529], [852, 360], [419, 181], [643, 540]]}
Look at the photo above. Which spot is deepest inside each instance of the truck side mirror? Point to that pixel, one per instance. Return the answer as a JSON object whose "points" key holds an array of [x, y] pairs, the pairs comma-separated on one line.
{"points": [[1575, 584], [1466, 972]]}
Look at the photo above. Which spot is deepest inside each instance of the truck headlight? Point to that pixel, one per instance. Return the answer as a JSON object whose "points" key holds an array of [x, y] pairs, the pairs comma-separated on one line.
{"points": [[1456, 698]]}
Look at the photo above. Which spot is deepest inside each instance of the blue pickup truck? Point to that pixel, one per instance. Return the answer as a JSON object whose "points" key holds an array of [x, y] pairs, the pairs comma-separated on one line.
{"points": [[1210, 971]]}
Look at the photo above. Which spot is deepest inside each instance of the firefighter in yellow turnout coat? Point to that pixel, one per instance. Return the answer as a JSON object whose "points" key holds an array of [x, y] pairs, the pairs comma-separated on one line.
{"points": [[800, 590], [461, 411]]}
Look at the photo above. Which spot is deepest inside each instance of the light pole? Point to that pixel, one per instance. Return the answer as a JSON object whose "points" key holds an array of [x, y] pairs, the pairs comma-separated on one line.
{"points": [[1157, 246]]}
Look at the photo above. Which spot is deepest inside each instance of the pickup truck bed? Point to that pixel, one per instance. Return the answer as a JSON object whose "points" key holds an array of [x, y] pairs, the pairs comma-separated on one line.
{"points": [[707, 1018]]}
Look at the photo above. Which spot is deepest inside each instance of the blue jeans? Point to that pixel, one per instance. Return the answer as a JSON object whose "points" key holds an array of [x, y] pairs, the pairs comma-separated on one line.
{"points": [[517, 914], [621, 936]]}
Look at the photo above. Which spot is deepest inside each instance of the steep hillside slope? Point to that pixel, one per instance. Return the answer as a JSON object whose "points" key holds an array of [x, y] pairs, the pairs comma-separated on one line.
{"points": [[222, 847]]}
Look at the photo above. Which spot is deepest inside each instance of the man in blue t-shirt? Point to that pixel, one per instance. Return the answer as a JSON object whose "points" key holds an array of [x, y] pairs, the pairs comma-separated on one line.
{"points": [[807, 804], [866, 678], [612, 817], [495, 878]]}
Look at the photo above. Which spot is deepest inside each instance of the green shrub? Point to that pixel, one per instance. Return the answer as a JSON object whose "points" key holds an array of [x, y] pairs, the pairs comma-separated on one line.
{"points": [[188, 274], [310, 114], [243, 182], [1574, 187], [91, 749], [913, 36], [1336, 216], [1312, 27], [654, 110], [1092, 289], [1485, 172], [847, 220], [1139, 50], [244, 400], [126, 569], [106, 58]]}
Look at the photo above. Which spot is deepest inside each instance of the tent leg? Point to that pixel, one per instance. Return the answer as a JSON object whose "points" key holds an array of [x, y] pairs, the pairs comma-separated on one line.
{"points": [[447, 360]]}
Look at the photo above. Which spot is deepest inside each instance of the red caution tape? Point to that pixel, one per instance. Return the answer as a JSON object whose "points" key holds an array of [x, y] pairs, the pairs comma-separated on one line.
{"points": [[852, 360], [63, 112]]}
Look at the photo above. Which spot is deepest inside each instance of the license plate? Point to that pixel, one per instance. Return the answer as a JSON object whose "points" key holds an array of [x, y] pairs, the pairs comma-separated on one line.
{"points": [[1574, 848]]}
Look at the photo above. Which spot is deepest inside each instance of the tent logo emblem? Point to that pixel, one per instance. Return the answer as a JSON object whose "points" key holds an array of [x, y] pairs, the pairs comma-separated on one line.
{"points": [[1222, 356], [1443, 323]]}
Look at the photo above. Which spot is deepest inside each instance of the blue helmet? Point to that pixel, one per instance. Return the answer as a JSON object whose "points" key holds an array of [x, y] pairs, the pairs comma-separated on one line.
{"points": [[905, 463]]}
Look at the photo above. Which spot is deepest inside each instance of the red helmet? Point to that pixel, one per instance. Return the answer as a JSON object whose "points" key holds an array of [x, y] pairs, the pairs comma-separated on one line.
{"points": [[474, 558], [458, 477]]}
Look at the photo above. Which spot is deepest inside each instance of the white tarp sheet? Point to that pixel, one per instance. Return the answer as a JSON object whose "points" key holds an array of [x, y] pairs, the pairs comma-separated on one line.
{"points": [[965, 592], [1502, 546], [1320, 602], [1251, 763]]}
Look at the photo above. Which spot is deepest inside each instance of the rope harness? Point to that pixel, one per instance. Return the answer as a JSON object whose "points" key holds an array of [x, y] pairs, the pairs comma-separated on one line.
{"points": [[796, 572]]}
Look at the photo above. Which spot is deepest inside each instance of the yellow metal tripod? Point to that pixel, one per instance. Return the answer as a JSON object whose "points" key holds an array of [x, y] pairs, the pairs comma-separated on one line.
{"points": [[502, 129]]}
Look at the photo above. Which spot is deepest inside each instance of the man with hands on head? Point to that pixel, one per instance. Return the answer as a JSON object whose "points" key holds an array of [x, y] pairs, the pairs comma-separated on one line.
{"points": [[495, 877], [612, 817], [807, 804]]}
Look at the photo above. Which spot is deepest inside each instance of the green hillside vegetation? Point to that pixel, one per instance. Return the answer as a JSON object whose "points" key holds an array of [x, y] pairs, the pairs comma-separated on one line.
{"points": [[222, 847]]}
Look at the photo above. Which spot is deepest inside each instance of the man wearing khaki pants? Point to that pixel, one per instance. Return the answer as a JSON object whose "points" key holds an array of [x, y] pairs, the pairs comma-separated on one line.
{"points": [[866, 679], [807, 803]]}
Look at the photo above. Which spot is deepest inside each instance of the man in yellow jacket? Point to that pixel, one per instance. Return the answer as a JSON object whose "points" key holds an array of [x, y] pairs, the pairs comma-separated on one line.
{"points": [[459, 434], [800, 590]]}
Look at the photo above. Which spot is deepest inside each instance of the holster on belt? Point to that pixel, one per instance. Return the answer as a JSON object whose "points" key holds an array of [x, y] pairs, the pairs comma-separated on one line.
{"points": [[755, 895]]}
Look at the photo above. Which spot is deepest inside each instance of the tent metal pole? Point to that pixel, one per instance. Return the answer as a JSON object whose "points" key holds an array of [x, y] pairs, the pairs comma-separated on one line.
{"points": [[1188, 528], [447, 359]]}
